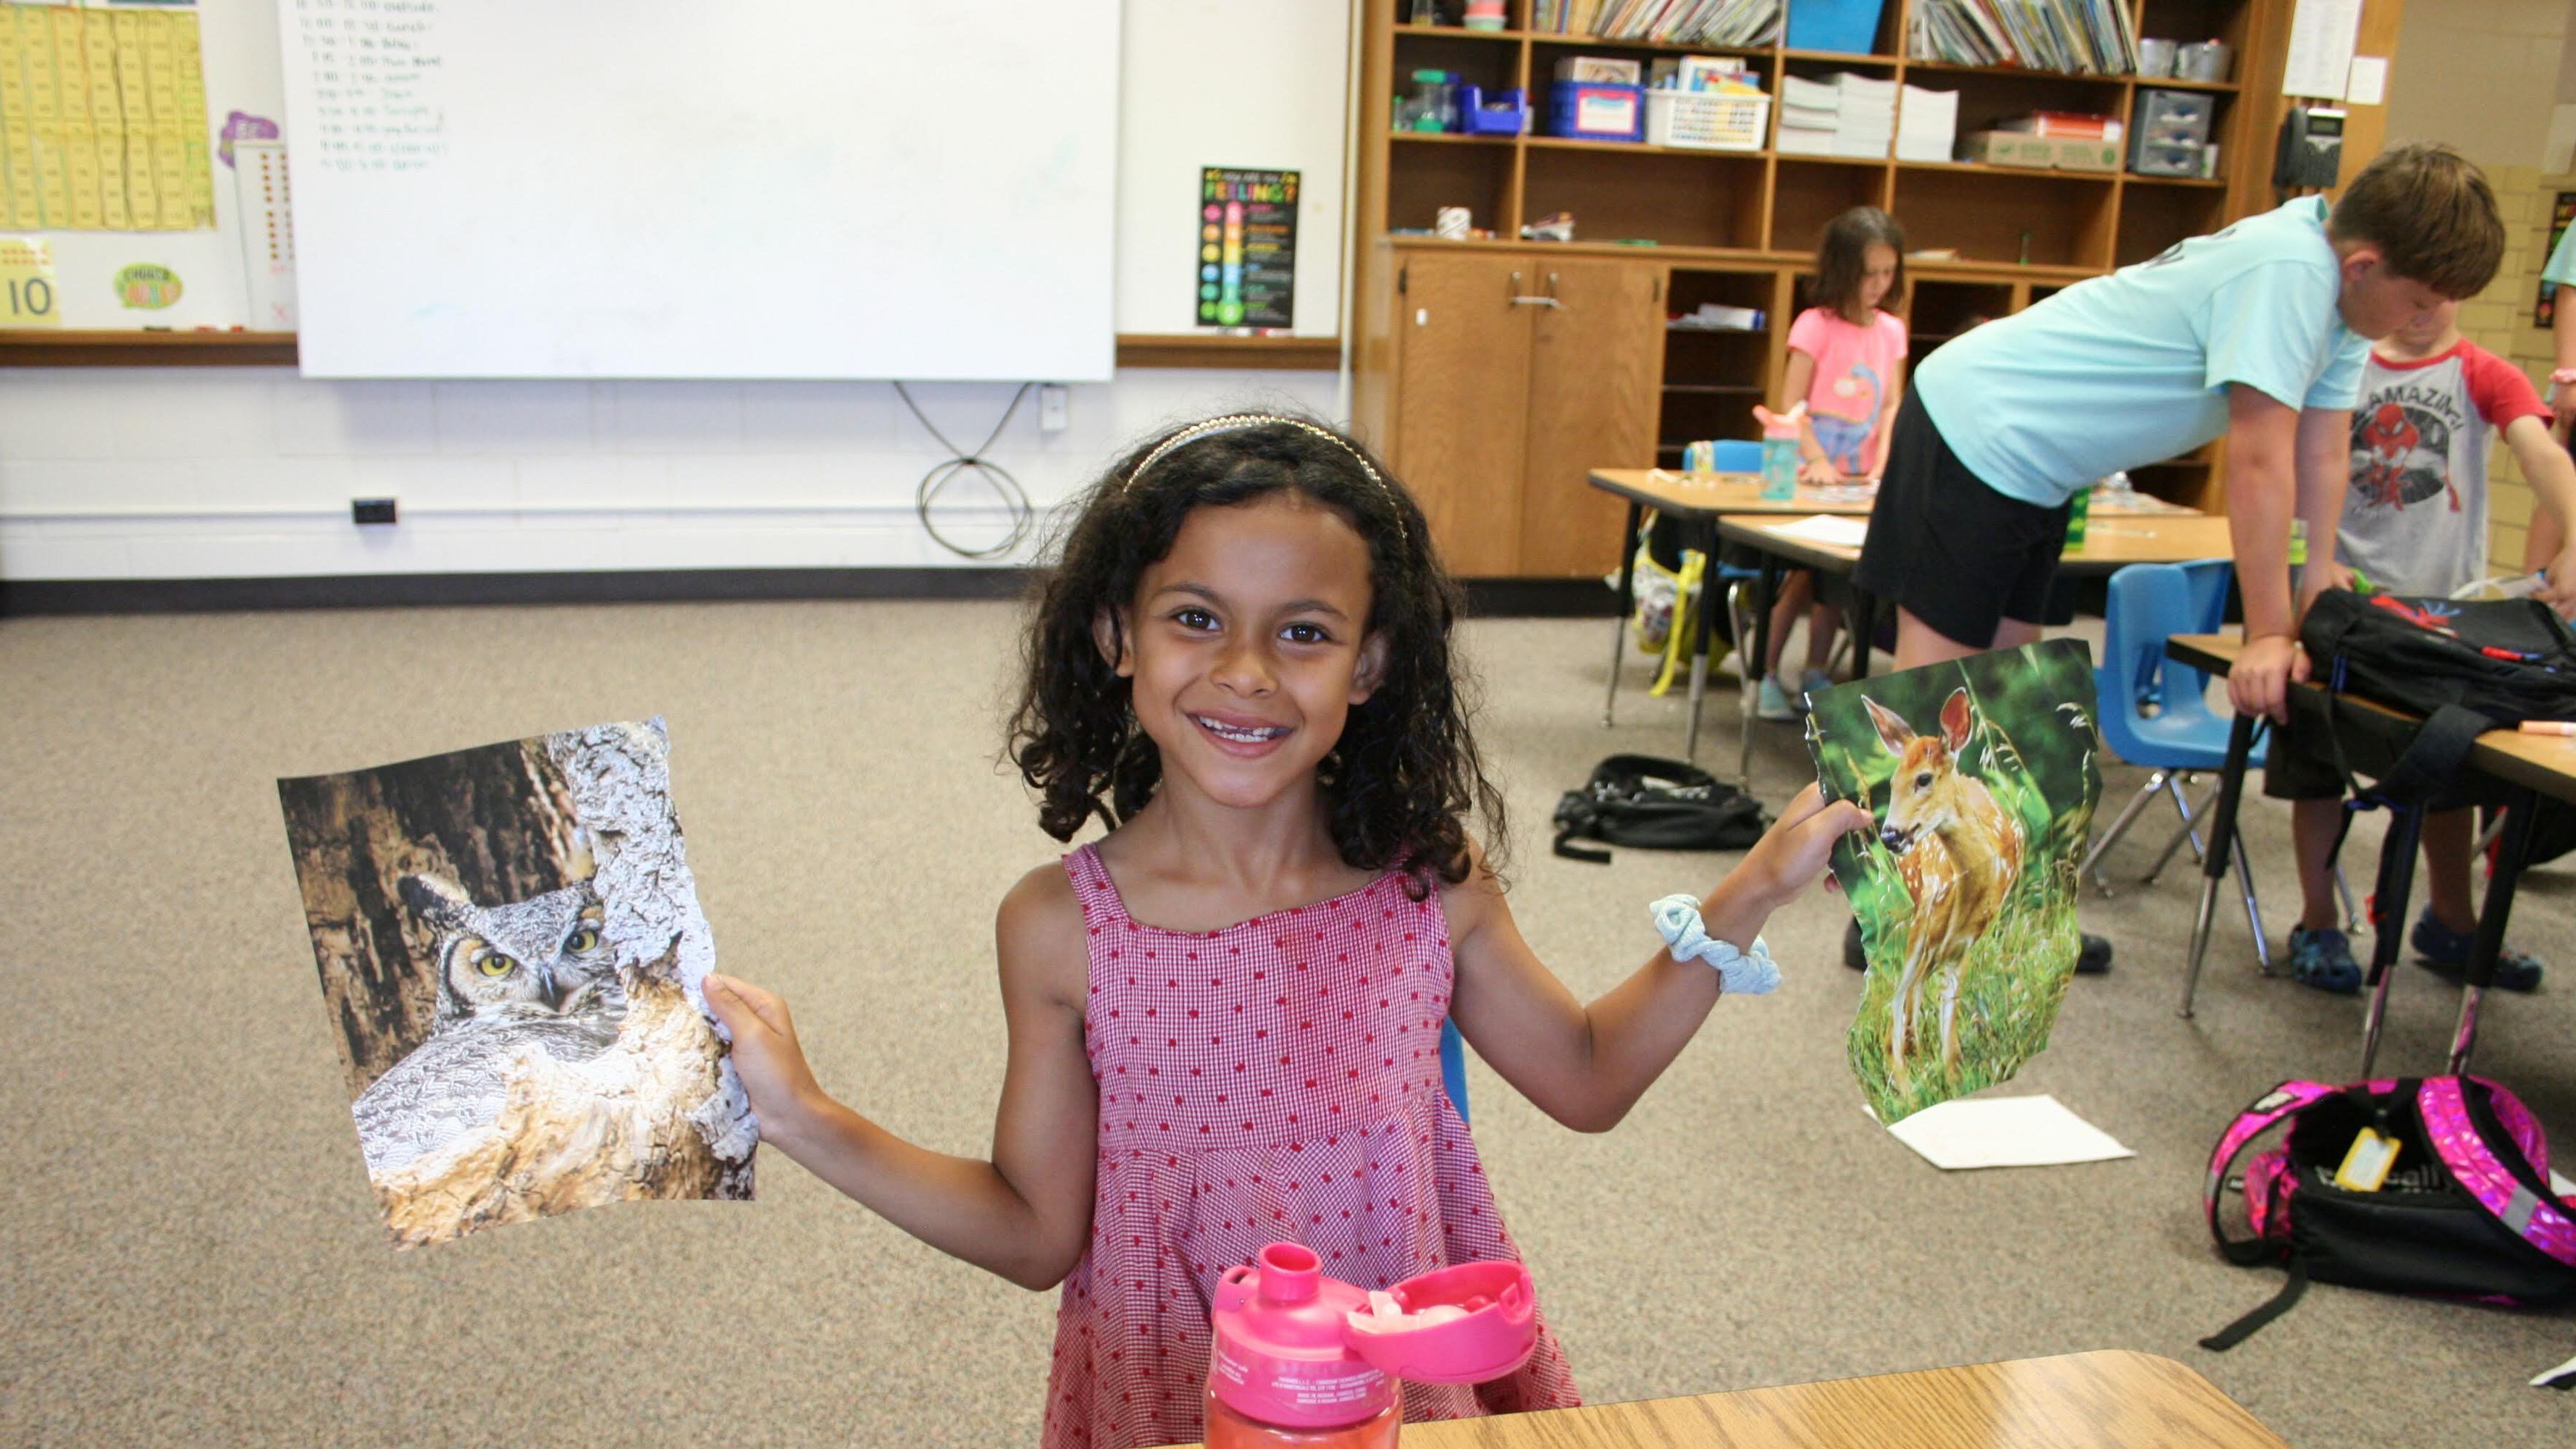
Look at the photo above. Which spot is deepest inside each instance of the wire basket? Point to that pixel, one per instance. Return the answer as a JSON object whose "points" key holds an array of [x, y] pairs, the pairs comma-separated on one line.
{"points": [[1706, 120]]}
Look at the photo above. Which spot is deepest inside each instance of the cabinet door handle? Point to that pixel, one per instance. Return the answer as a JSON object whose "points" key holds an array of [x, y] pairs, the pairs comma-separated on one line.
{"points": [[1520, 298]]}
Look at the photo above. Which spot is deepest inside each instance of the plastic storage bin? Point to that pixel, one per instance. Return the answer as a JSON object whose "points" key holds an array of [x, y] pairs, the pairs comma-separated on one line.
{"points": [[1706, 121], [2167, 117], [2166, 158], [1505, 113], [1592, 111], [1849, 26]]}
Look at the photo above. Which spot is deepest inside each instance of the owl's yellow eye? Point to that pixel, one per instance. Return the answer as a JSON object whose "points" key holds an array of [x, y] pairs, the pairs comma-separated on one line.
{"points": [[582, 940], [496, 964]]}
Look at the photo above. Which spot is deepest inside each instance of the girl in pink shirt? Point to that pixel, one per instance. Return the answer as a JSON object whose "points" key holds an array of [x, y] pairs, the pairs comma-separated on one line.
{"points": [[1224, 1014], [1847, 364]]}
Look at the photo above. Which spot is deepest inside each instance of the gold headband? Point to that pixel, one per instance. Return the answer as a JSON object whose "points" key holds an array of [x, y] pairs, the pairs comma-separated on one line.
{"points": [[1234, 422]]}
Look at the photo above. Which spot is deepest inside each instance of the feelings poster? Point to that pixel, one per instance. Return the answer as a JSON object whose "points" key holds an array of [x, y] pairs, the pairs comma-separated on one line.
{"points": [[1982, 776]]}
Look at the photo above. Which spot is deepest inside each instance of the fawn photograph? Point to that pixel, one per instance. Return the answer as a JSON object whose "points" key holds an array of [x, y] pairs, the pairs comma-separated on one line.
{"points": [[510, 947], [1982, 775]]}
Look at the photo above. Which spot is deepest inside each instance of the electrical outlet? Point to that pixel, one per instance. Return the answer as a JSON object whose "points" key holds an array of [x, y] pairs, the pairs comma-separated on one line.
{"points": [[371, 510], [1055, 406]]}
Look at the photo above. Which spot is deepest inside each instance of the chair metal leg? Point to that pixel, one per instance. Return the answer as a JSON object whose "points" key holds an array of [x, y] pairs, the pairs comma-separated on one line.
{"points": [[2213, 866], [1701, 628], [2119, 827], [2189, 830], [1758, 661], [2343, 887], [2388, 921], [2253, 907], [2517, 820], [1627, 607]]}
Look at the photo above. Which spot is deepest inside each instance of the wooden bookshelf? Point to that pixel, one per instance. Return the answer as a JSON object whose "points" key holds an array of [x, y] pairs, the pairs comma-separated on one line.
{"points": [[1736, 227]]}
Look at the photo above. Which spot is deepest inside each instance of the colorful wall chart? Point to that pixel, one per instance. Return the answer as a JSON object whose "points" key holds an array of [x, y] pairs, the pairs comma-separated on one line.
{"points": [[1247, 268], [103, 120]]}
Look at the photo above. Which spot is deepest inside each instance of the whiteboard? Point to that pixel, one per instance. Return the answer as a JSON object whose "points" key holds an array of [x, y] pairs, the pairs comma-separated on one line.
{"points": [[748, 189]]}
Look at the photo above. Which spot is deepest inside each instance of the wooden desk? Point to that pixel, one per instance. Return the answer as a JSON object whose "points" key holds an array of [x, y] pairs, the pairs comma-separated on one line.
{"points": [[2529, 766], [1687, 495], [2111, 543], [2107, 1400], [1694, 501]]}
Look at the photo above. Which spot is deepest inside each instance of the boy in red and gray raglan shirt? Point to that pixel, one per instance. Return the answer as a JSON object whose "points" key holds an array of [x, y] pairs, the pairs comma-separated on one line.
{"points": [[2414, 521]]}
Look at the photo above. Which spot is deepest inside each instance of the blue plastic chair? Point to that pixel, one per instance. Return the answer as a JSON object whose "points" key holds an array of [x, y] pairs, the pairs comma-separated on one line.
{"points": [[1453, 1065], [2156, 713]]}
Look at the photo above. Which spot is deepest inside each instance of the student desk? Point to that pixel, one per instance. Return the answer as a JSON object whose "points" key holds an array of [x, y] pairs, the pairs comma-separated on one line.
{"points": [[2526, 767], [2112, 541], [1696, 501], [2112, 1399]]}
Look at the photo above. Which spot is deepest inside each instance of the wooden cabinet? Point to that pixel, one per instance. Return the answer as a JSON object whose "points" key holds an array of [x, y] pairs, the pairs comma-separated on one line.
{"points": [[1514, 376]]}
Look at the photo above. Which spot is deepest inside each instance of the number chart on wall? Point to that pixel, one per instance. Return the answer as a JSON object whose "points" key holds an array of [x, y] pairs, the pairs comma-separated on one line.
{"points": [[761, 188], [103, 119]]}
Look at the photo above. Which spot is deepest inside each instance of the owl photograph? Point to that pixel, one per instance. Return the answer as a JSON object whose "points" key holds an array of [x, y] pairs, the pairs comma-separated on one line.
{"points": [[510, 950]]}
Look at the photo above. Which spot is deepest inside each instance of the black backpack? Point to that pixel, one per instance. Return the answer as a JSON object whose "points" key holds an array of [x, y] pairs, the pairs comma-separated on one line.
{"points": [[2466, 667], [1655, 804]]}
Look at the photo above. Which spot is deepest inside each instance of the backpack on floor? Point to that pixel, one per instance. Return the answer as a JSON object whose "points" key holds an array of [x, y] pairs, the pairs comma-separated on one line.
{"points": [[2465, 1211], [1656, 804]]}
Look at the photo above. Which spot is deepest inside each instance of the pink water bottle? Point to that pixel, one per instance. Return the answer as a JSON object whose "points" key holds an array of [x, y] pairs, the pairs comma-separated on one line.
{"points": [[1302, 1359]]}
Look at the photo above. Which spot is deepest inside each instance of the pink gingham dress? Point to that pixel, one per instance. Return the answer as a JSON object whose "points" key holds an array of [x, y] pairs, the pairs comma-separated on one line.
{"points": [[1275, 1080]]}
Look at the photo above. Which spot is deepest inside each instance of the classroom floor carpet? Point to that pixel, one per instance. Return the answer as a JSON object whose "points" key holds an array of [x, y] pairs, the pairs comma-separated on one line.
{"points": [[189, 1253]]}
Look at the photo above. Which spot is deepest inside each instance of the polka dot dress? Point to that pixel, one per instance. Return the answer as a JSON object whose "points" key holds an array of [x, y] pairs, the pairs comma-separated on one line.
{"points": [[1278, 1080]]}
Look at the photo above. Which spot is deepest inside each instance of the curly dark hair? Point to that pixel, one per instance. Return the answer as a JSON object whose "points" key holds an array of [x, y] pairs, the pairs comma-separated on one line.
{"points": [[1401, 784]]}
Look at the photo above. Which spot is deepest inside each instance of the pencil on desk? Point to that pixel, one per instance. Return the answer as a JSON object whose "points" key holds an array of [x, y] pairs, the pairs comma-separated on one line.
{"points": [[2548, 727]]}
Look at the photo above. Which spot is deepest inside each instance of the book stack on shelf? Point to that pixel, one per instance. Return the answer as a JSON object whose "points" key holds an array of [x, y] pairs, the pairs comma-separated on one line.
{"points": [[1927, 124], [1840, 115], [1662, 22], [2084, 37]]}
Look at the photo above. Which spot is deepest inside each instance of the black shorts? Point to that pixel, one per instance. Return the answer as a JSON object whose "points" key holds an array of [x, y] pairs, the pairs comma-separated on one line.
{"points": [[1945, 545], [2298, 760]]}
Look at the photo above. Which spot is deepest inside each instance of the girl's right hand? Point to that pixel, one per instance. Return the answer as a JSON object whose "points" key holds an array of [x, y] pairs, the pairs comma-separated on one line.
{"points": [[765, 1050], [1819, 473]]}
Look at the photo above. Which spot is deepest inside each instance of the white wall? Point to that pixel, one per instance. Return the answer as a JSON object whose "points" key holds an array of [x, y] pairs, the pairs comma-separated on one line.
{"points": [[155, 473]]}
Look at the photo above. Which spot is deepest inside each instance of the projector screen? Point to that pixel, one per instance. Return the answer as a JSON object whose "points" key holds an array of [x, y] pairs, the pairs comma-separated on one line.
{"points": [[736, 189]]}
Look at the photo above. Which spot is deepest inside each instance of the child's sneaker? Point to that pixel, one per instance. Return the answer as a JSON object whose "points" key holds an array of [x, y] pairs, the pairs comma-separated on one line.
{"points": [[1816, 681], [2447, 952], [1773, 702], [2322, 958]]}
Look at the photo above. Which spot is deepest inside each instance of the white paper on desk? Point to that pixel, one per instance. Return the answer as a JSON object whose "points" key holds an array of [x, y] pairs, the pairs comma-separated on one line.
{"points": [[2004, 1132], [1826, 528]]}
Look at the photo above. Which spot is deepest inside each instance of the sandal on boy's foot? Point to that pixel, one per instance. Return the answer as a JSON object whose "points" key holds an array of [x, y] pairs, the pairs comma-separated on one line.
{"points": [[2095, 957], [1853, 955], [2447, 953], [1773, 702], [2322, 958]]}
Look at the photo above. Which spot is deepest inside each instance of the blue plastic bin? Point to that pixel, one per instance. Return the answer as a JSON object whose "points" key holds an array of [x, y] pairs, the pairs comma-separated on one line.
{"points": [[1849, 26], [1505, 113], [1571, 103]]}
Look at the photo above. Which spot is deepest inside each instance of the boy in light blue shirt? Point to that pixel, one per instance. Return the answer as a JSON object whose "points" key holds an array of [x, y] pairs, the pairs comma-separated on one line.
{"points": [[2257, 333]]}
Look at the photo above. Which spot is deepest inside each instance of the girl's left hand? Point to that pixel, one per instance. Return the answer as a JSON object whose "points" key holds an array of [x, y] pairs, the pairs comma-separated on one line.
{"points": [[1789, 856]]}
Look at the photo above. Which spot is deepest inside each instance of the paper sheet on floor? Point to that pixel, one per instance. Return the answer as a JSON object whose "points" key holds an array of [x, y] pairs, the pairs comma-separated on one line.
{"points": [[2005, 1132]]}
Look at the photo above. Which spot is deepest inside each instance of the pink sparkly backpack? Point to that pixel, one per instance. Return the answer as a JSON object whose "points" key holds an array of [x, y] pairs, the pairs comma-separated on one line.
{"points": [[2465, 1208]]}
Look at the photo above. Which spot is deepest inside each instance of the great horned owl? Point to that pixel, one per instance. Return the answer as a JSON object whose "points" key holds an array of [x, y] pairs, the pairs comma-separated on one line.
{"points": [[535, 957], [531, 976]]}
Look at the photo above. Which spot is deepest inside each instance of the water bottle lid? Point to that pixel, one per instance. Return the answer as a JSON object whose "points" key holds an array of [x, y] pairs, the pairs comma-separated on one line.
{"points": [[1295, 1347]]}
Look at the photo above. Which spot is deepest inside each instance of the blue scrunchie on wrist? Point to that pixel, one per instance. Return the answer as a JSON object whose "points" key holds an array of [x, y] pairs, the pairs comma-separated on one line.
{"points": [[1739, 973]]}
